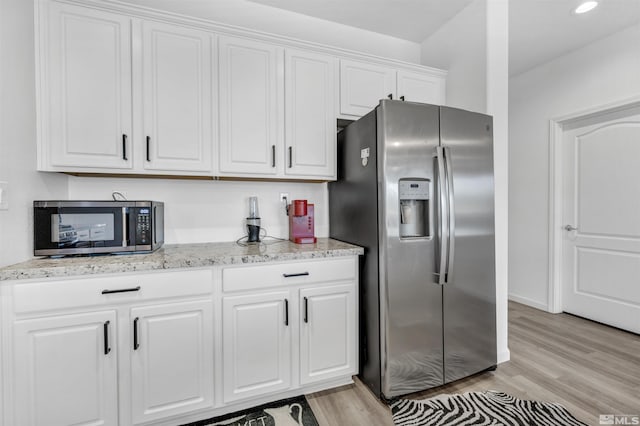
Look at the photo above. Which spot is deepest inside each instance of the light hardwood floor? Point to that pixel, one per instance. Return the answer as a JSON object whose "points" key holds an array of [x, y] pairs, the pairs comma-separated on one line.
{"points": [[590, 368]]}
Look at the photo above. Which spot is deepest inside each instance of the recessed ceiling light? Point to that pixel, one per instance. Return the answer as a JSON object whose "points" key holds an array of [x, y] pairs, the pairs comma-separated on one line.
{"points": [[586, 6]]}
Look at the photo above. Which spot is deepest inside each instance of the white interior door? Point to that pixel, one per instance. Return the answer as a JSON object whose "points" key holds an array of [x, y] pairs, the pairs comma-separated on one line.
{"points": [[601, 242]]}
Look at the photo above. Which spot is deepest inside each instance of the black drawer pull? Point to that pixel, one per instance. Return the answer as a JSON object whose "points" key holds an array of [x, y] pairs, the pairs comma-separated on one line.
{"points": [[286, 312], [124, 148], [123, 290], [105, 329], [148, 148], [273, 155], [301, 274], [136, 345], [306, 310]]}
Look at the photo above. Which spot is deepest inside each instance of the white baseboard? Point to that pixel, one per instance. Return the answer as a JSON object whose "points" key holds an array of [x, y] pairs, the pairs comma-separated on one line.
{"points": [[504, 356], [529, 302]]}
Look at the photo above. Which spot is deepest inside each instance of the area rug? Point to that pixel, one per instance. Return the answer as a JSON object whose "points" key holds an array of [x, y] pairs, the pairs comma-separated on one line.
{"points": [[480, 408], [286, 412]]}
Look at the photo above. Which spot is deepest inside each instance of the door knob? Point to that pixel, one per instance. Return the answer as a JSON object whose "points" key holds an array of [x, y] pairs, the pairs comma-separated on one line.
{"points": [[570, 228]]}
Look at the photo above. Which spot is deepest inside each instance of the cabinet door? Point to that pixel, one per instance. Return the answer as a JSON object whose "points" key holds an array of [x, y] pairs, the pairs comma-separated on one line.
{"points": [[172, 359], [256, 344], [66, 370], [310, 117], [362, 86], [86, 97], [251, 107], [177, 98], [328, 339], [424, 88]]}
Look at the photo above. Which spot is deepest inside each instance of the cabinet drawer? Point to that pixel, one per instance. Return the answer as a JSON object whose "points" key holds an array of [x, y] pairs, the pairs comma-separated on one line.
{"points": [[83, 291], [241, 278]]}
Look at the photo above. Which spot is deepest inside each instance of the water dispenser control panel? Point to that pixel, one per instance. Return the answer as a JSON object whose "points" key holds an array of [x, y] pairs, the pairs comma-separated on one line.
{"points": [[413, 190], [413, 197]]}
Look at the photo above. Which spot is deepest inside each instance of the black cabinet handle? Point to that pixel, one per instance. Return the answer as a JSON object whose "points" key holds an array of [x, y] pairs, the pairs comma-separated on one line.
{"points": [[105, 330], [306, 310], [273, 155], [122, 290], [390, 96], [136, 345], [301, 274], [290, 156], [286, 312], [124, 147], [148, 148], [402, 98]]}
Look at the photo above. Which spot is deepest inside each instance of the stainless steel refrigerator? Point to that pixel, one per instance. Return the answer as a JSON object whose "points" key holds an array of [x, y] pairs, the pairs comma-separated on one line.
{"points": [[415, 189]]}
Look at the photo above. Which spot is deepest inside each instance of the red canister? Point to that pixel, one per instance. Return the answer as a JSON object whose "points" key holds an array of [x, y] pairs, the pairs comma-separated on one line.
{"points": [[299, 207]]}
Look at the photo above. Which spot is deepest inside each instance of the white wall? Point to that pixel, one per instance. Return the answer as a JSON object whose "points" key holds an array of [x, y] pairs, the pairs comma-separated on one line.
{"points": [[602, 72], [459, 46], [202, 211], [18, 133], [258, 17]]}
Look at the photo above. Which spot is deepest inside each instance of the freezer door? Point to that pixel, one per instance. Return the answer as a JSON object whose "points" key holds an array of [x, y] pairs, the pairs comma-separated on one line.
{"points": [[469, 292], [410, 298]]}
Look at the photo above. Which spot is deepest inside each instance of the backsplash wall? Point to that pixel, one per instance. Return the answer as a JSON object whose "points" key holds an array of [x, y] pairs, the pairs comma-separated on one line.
{"points": [[210, 211]]}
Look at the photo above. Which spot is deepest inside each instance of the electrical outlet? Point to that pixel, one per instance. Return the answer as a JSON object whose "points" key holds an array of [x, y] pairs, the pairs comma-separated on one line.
{"points": [[284, 197], [4, 198]]}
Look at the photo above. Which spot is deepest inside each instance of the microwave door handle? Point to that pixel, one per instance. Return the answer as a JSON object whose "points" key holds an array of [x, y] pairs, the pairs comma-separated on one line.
{"points": [[153, 227], [443, 223], [125, 227]]}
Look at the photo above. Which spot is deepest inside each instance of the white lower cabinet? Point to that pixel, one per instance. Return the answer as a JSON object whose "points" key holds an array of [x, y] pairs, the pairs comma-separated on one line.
{"points": [[288, 325], [327, 333], [66, 370], [256, 344], [172, 359], [172, 347]]}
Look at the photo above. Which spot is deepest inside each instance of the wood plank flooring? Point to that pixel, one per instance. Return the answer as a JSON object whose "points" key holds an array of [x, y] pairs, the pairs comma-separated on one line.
{"points": [[588, 367]]}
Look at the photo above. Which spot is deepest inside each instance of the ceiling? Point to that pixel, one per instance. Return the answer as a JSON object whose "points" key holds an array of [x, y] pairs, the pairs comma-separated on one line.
{"points": [[539, 30], [413, 20]]}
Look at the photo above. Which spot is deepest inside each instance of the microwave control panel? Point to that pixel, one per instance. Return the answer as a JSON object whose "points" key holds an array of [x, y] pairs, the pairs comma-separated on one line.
{"points": [[143, 229]]}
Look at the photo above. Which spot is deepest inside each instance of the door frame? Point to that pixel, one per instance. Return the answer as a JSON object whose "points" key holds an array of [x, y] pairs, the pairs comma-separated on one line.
{"points": [[556, 194]]}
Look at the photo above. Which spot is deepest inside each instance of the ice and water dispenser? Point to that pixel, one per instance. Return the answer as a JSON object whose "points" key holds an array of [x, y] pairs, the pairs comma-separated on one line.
{"points": [[414, 208]]}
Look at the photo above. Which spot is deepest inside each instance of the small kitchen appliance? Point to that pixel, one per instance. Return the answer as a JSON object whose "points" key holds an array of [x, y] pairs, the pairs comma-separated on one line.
{"points": [[253, 221], [301, 222], [95, 227]]}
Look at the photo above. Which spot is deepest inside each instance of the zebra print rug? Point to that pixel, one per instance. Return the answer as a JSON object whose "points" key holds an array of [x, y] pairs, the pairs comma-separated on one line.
{"points": [[480, 408]]}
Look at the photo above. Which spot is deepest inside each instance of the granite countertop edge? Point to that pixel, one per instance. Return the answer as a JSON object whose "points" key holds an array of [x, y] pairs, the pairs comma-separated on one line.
{"points": [[177, 256]]}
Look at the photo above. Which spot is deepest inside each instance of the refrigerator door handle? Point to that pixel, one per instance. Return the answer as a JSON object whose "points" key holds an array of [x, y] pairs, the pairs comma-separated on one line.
{"points": [[443, 223], [451, 232]]}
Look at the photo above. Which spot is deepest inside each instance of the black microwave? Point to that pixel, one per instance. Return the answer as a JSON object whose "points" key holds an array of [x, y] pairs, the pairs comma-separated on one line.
{"points": [[92, 227]]}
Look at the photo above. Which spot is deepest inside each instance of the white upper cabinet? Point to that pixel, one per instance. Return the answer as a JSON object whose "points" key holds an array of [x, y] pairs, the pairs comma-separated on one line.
{"points": [[421, 87], [94, 66], [362, 85], [126, 90], [250, 105], [177, 98], [310, 114], [85, 89]]}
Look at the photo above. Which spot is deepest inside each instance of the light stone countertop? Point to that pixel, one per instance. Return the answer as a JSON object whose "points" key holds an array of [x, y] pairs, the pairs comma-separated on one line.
{"points": [[178, 256]]}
